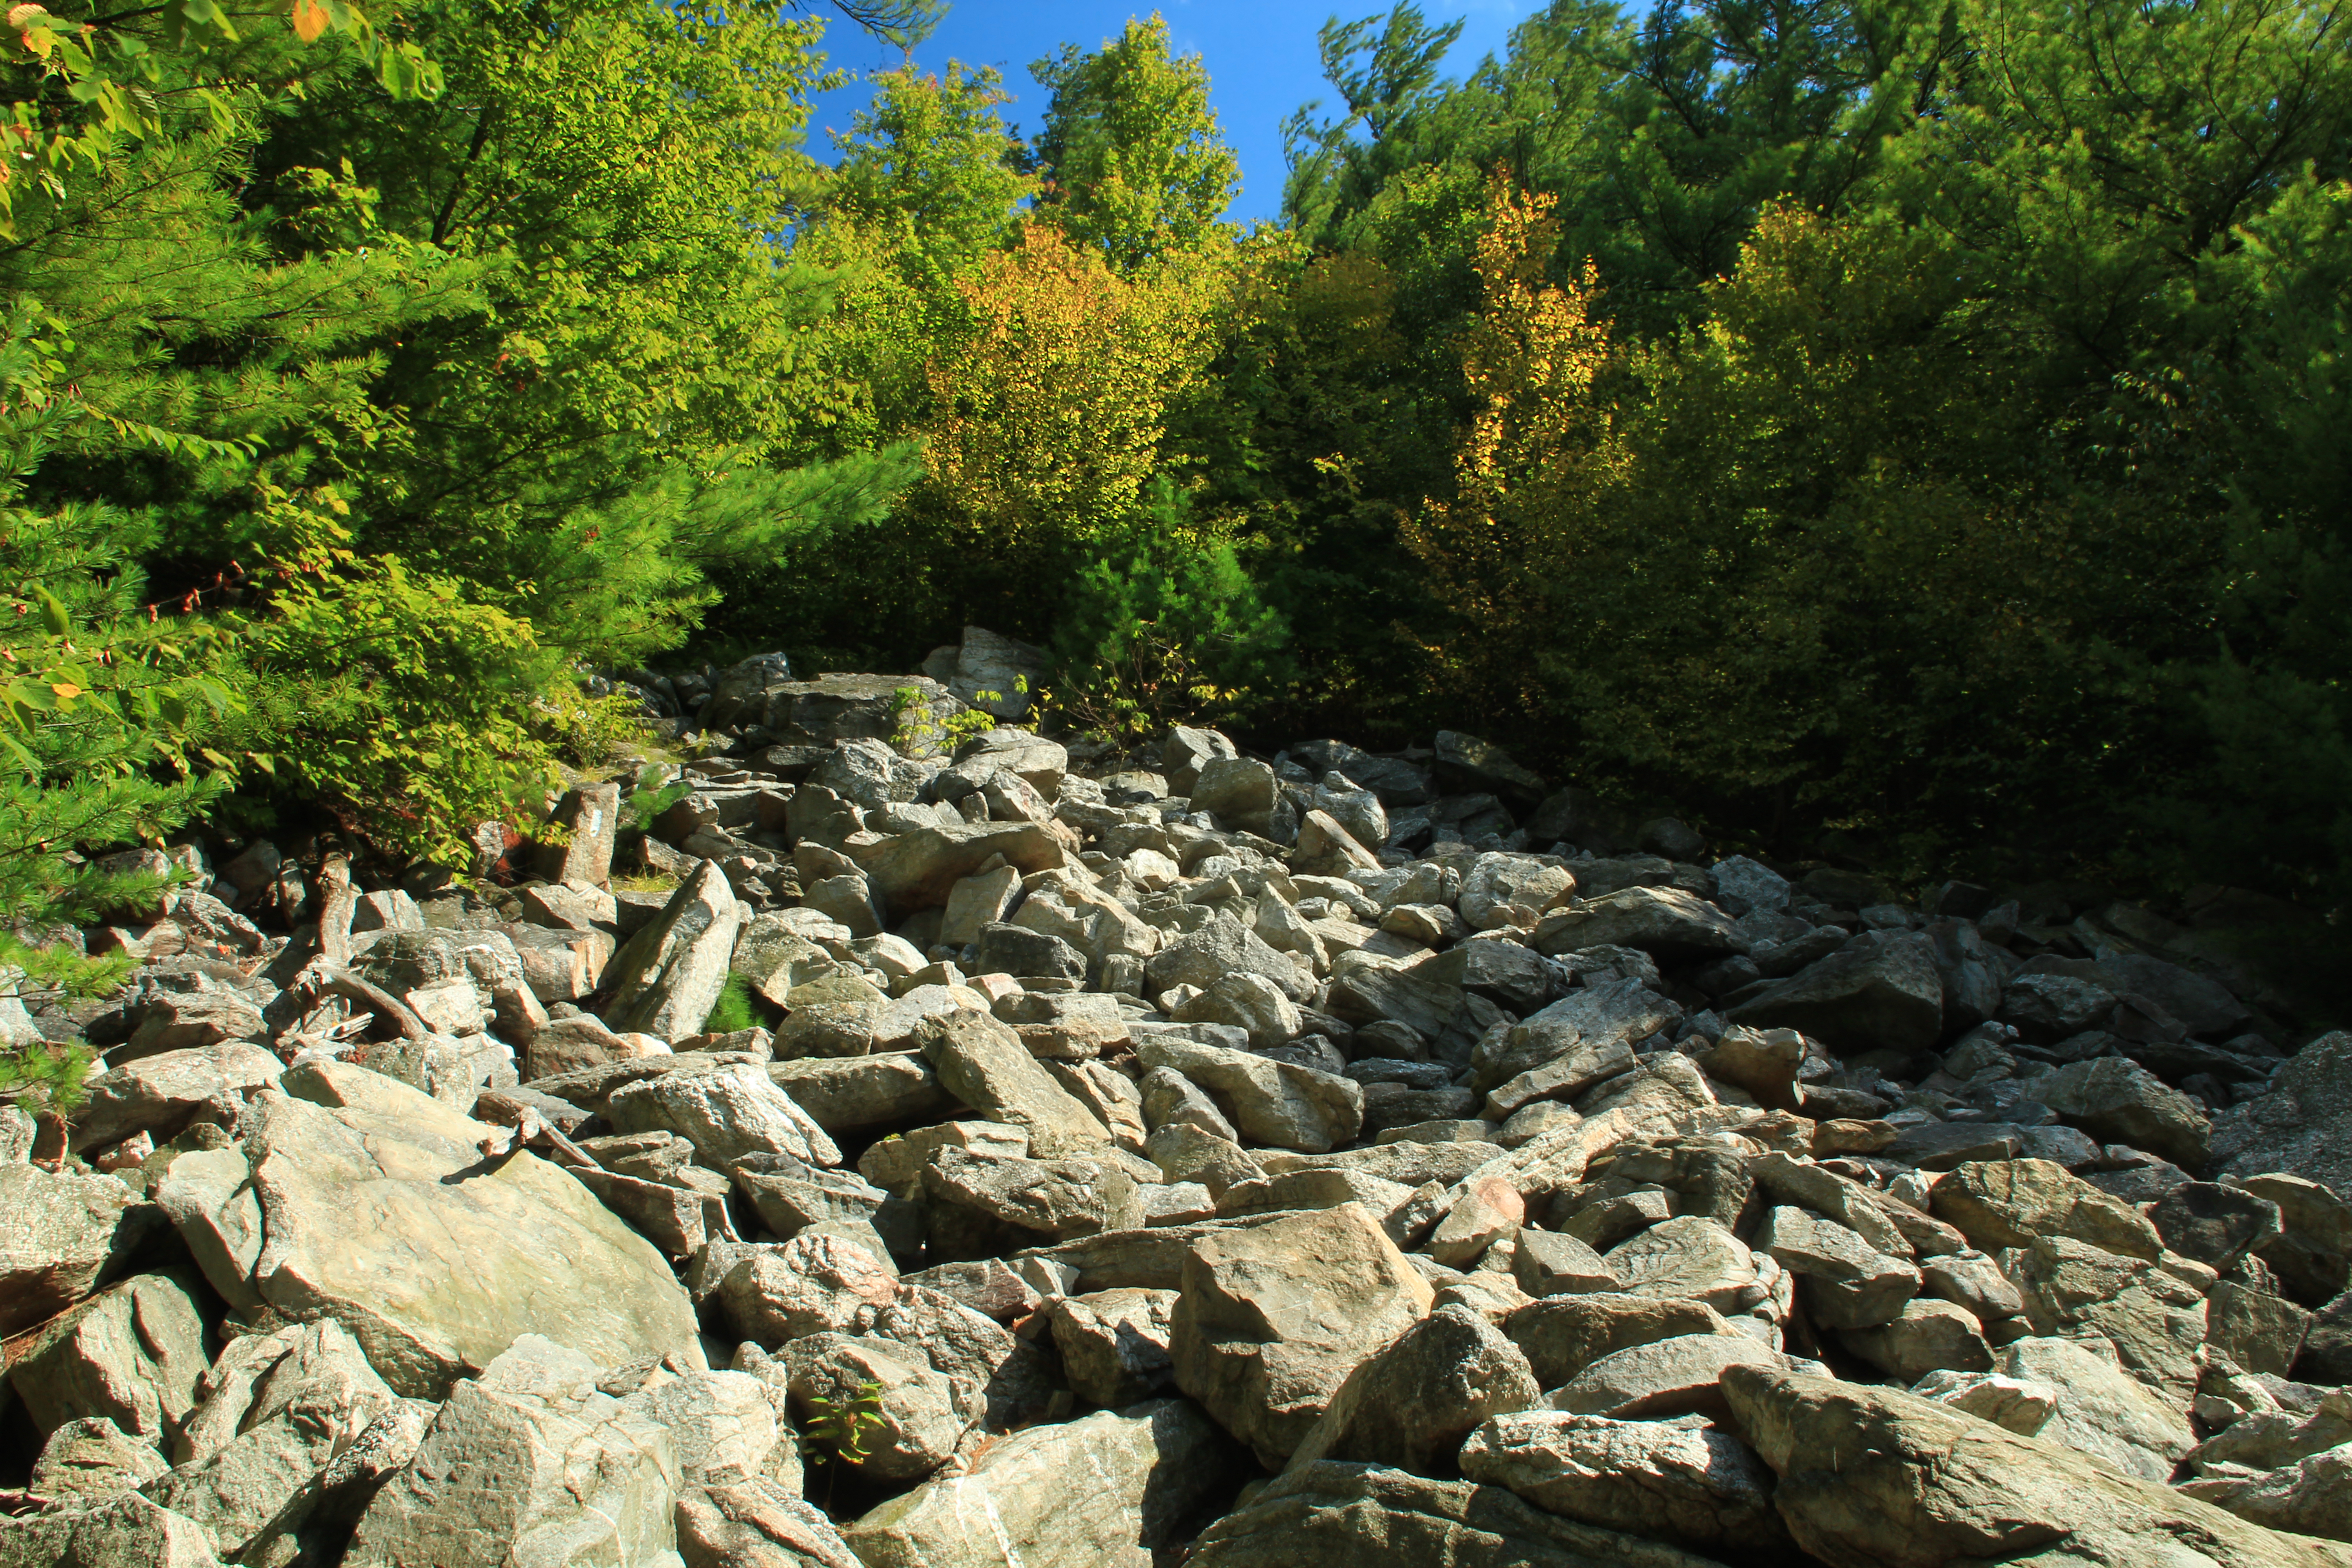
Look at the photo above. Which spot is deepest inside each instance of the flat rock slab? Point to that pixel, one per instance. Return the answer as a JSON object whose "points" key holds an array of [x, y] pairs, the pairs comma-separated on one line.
{"points": [[1108, 1491], [463, 1256]]}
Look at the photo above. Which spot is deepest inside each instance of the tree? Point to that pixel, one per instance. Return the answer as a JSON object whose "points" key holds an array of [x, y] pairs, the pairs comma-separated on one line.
{"points": [[1131, 157]]}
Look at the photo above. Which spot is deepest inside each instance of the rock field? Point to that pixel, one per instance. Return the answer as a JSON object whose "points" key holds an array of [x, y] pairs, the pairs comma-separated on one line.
{"points": [[1343, 1160]]}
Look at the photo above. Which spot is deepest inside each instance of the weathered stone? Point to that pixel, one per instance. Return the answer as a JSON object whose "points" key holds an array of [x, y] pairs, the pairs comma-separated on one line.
{"points": [[1849, 1283], [1057, 1198], [918, 870], [2117, 1100], [814, 1283], [2011, 1202], [1880, 990], [1114, 1345], [529, 1462], [849, 1094], [59, 1237], [1764, 1062], [1874, 1477], [1411, 1403], [1335, 1515], [1275, 1317], [1663, 922], [1250, 1002], [1547, 1263], [2047, 1008], [1563, 1335], [2215, 1225], [669, 975], [1687, 1259], [590, 815], [2101, 1409], [2155, 1320], [177, 1023], [470, 1253], [1273, 1102], [837, 1016], [159, 1094], [277, 1410], [120, 1532], [2014, 1404], [92, 1459], [132, 1355], [1678, 1482], [1667, 1377], [728, 1114], [984, 1063], [2261, 1332], [921, 1415], [1926, 1336], [1223, 947], [1106, 1491]]}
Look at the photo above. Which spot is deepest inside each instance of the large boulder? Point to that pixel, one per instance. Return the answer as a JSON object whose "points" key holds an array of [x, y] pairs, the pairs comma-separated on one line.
{"points": [[59, 1236], [2009, 1203], [528, 1463], [1337, 1515], [736, 1111], [1111, 1491], [1272, 1102], [2301, 1127], [669, 975], [1665, 922], [125, 1531], [1870, 1478], [1881, 991], [984, 1063], [465, 1253], [2117, 1100], [1677, 1481], [1412, 1402], [918, 869], [159, 1095], [132, 1354], [1275, 1317]]}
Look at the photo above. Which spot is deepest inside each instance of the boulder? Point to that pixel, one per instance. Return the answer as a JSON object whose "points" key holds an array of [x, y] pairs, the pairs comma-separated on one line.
{"points": [[850, 1094], [466, 1253], [918, 1415], [279, 1408], [1223, 947], [1675, 1481], [669, 975], [1272, 1102], [2099, 1409], [59, 1236], [126, 1532], [1665, 922], [1275, 1317], [1336, 1515], [728, 1113], [1563, 1335], [1057, 1199], [2117, 1100], [2214, 1224], [1411, 1403], [757, 1524], [1109, 1490], [1687, 1259], [529, 1462], [2301, 1127], [93, 1458], [1880, 990], [1849, 1284], [2012, 1202], [1926, 1336], [984, 1063], [160, 1094], [918, 869], [132, 1354], [194, 1020], [589, 815], [1663, 1378], [1870, 1478]]}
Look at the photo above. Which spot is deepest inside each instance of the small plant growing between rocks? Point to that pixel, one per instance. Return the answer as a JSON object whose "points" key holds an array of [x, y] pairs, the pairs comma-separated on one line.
{"points": [[650, 799], [917, 731], [733, 1010]]}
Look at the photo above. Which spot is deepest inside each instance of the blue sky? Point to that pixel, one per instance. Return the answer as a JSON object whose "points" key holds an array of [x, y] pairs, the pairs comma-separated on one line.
{"points": [[1260, 54]]}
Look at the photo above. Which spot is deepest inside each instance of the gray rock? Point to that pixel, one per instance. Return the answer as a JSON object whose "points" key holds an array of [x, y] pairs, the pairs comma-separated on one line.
{"points": [[1223, 947], [1273, 1318], [1849, 1283], [1239, 792], [469, 1254], [984, 1063], [590, 815], [2047, 1008], [1880, 990], [1411, 1403], [918, 869], [131, 1355], [757, 1524], [669, 973], [1665, 922], [2012, 1202], [1547, 1263], [1335, 1515], [1926, 1336], [2303, 1127], [1563, 1335], [2155, 1320], [814, 1283], [93, 1457], [1056, 1198], [721, 1424], [1870, 1476], [2313, 1497], [2313, 1251], [175, 1023], [2101, 1409], [920, 1413], [120, 1532], [1678, 1376], [1114, 1345], [279, 1409], [1688, 1258], [529, 1462], [1026, 954], [1272, 1102], [1145, 1471], [2014, 1405], [2215, 1225], [2117, 1100], [59, 1236], [837, 1016], [1584, 1038], [1250, 1002], [1016, 1379], [2261, 1332], [161, 1094], [1679, 1482], [846, 1095], [728, 1113]]}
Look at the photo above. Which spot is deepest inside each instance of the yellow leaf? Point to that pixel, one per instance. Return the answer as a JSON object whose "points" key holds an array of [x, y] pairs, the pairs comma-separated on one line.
{"points": [[65, 690], [309, 20]]}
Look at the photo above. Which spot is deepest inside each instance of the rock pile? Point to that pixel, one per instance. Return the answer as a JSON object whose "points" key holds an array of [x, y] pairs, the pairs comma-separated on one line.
{"points": [[1339, 1159]]}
